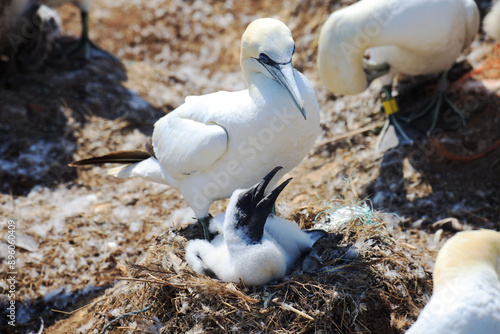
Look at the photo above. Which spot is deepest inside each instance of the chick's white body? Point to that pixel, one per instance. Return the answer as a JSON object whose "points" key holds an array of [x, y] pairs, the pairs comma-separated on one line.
{"points": [[414, 37], [466, 296], [232, 259], [290, 237], [219, 142]]}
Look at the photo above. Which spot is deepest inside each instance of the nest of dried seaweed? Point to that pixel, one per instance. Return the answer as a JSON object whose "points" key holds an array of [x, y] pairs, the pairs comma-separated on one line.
{"points": [[371, 282]]}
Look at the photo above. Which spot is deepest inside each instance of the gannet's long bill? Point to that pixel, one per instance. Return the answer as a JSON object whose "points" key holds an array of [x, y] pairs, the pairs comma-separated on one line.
{"points": [[252, 245], [411, 37], [491, 22], [216, 143], [466, 296], [84, 44]]}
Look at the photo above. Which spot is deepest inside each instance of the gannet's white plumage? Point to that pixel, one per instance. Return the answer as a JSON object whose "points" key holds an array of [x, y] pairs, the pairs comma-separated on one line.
{"points": [[216, 143], [491, 22], [466, 297], [251, 245], [414, 37], [287, 234]]}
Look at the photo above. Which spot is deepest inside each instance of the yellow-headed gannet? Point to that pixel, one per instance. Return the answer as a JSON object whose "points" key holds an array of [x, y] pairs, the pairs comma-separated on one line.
{"points": [[252, 245], [84, 44], [411, 37], [491, 23], [216, 143], [466, 297]]}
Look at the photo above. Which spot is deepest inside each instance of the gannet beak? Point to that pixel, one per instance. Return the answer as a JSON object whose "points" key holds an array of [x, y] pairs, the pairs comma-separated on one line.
{"points": [[283, 73], [260, 188], [268, 201], [254, 208], [250, 199], [265, 204]]}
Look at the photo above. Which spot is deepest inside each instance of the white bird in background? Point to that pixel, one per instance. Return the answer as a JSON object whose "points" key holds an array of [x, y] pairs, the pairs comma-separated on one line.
{"points": [[216, 143], [84, 43], [252, 245], [466, 297], [411, 37], [491, 22]]}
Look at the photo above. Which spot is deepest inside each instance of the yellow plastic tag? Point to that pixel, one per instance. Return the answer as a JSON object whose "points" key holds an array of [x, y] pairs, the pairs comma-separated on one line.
{"points": [[390, 106]]}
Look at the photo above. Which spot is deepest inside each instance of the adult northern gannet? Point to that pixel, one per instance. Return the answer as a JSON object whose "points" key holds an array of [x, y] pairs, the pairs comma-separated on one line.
{"points": [[84, 43], [411, 37], [252, 245], [491, 23], [216, 143], [466, 297]]}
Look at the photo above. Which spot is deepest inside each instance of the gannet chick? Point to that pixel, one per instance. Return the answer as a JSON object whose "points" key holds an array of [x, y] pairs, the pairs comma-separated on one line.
{"points": [[491, 23], [253, 245], [466, 297], [84, 44], [214, 144], [411, 37]]}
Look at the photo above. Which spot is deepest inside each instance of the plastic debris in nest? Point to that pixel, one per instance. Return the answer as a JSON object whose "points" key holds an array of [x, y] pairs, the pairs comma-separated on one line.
{"points": [[363, 288], [341, 212], [345, 213]]}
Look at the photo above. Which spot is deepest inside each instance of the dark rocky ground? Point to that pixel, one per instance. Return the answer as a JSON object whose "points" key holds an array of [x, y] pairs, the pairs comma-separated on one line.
{"points": [[76, 228]]}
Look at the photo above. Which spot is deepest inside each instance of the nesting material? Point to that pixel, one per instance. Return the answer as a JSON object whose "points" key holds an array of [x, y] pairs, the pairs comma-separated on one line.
{"points": [[371, 282], [177, 48], [344, 213]]}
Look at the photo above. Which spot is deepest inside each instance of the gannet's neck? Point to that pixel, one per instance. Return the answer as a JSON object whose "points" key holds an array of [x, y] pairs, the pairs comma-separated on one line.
{"points": [[239, 228], [253, 78], [261, 89], [344, 39], [468, 255]]}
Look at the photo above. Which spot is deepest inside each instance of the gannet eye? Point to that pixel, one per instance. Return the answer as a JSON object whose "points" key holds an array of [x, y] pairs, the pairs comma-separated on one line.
{"points": [[264, 58]]}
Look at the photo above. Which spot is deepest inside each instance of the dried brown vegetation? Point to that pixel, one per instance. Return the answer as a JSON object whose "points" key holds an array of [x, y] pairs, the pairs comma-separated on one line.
{"points": [[81, 232]]}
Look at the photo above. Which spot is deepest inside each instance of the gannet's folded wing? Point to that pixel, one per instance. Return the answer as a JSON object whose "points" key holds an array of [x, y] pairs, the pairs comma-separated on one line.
{"points": [[184, 146]]}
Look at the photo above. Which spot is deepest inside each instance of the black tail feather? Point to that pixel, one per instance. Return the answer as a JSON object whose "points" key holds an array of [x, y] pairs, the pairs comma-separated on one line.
{"points": [[120, 157]]}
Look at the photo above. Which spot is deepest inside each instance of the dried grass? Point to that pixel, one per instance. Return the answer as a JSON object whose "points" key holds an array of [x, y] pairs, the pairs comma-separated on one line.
{"points": [[371, 282], [374, 281]]}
